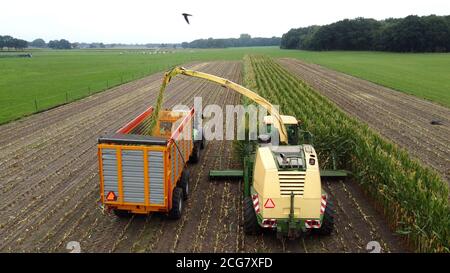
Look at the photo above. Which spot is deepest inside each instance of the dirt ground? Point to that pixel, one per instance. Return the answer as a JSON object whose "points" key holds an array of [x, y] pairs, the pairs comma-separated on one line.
{"points": [[402, 118], [49, 185]]}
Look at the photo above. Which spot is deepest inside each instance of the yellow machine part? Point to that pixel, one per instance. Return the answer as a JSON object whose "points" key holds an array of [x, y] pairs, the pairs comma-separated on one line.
{"points": [[267, 184]]}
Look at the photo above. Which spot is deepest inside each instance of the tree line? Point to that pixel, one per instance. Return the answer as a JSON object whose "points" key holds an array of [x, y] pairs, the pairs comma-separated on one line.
{"points": [[244, 40], [12, 43], [9, 42], [409, 34]]}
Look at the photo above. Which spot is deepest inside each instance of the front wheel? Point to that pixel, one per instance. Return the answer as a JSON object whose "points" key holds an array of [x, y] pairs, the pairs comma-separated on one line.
{"points": [[327, 226], [203, 143], [195, 157]]}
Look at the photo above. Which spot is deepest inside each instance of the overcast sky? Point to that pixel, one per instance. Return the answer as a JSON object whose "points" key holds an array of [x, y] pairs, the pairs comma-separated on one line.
{"points": [[145, 21]]}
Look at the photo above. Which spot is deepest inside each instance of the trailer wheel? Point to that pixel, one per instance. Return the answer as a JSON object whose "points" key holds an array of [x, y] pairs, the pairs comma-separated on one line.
{"points": [[184, 184], [177, 203], [203, 143], [195, 157], [251, 225], [122, 213], [327, 226]]}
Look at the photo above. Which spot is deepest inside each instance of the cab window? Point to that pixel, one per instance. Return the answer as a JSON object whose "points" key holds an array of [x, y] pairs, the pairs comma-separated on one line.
{"points": [[292, 131]]}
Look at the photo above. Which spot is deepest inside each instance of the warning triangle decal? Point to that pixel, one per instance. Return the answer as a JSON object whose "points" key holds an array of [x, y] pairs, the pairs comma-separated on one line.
{"points": [[111, 196], [269, 204]]}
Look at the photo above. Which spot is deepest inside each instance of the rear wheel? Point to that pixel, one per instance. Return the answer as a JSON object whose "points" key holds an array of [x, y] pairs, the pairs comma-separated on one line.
{"points": [[327, 226], [122, 213], [177, 203], [184, 184], [251, 225]]}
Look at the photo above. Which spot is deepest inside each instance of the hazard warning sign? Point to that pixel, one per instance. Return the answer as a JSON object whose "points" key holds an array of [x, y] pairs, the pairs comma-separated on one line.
{"points": [[269, 204], [111, 196]]}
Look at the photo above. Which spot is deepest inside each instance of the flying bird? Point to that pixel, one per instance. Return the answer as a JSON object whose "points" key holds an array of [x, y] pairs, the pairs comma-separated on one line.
{"points": [[186, 16]]}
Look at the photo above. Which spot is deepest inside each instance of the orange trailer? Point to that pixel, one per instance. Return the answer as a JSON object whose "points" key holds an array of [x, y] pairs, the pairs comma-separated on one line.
{"points": [[147, 173]]}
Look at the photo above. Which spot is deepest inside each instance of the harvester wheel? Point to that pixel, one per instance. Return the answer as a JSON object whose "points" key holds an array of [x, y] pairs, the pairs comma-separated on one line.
{"points": [[184, 184], [195, 157], [122, 213], [328, 220], [250, 221], [177, 203]]}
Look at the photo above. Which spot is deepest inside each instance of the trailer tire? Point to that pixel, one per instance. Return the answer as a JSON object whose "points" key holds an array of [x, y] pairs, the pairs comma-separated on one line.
{"points": [[195, 157], [177, 203], [122, 213], [203, 143], [184, 184], [251, 225], [327, 226]]}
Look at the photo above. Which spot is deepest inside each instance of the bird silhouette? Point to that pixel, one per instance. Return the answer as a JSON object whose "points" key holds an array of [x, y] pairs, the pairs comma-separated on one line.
{"points": [[186, 17]]}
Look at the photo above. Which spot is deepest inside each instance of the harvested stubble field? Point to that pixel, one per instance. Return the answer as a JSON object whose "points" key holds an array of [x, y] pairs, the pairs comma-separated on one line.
{"points": [[49, 185], [402, 118]]}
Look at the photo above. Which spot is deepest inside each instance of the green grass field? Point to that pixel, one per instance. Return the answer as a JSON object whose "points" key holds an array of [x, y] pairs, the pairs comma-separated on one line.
{"points": [[425, 75], [53, 77]]}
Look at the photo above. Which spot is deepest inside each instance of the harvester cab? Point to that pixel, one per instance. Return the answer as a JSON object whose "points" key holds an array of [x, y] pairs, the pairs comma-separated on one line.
{"points": [[294, 128], [291, 124]]}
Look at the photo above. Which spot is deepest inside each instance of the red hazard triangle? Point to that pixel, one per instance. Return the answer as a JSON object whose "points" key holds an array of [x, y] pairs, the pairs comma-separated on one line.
{"points": [[269, 204], [111, 196]]}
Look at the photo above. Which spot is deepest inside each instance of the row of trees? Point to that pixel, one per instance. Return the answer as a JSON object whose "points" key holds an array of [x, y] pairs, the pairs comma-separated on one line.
{"points": [[242, 41], [64, 44], [409, 34], [54, 44], [59, 44], [18, 44], [12, 43], [40, 43]]}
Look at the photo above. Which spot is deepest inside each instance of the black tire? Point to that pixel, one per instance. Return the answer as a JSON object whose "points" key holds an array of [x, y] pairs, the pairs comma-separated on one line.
{"points": [[184, 184], [251, 225], [177, 203], [195, 157], [203, 143], [327, 226], [122, 213]]}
